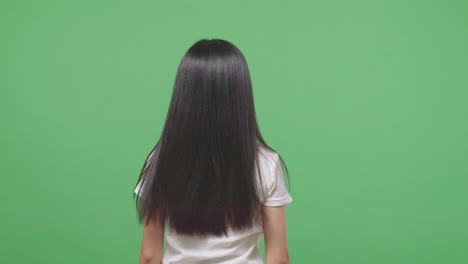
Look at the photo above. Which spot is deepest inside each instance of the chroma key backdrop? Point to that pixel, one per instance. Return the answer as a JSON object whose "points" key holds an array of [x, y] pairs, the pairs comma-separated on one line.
{"points": [[367, 102]]}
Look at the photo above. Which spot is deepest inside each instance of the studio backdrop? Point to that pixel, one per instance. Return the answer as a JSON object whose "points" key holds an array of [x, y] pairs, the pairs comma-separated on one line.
{"points": [[367, 102]]}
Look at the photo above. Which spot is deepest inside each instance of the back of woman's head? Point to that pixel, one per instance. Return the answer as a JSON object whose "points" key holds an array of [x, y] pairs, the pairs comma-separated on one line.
{"points": [[200, 175]]}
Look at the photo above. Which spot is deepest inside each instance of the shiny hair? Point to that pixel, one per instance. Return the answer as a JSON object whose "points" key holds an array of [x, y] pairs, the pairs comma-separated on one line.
{"points": [[200, 175]]}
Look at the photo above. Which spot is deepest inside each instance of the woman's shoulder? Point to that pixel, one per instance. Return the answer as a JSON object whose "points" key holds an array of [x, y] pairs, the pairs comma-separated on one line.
{"points": [[267, 156]]}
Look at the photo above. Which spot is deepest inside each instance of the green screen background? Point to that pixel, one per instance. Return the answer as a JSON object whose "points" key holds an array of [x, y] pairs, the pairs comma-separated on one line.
{"points": [[365, 100]]}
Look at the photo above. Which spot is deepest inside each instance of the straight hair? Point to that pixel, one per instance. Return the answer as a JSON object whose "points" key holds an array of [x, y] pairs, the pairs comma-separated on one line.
{"points": [[200, 175]]}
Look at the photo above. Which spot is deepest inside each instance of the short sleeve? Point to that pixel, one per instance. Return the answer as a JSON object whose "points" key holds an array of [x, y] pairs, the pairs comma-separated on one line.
{"points": [[138, 189], [277, 192], [141, 188]]}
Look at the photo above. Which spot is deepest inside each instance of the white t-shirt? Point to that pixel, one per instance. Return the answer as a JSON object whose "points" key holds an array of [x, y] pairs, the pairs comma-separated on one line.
{"points": [[239, 246]]}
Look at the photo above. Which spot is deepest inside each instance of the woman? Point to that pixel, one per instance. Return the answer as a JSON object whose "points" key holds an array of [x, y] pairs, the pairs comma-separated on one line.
{"points": [[211, 184]]}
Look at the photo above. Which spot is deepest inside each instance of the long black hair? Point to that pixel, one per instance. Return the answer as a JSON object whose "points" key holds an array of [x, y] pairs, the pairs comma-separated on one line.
{"points": [[200, 175]]}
